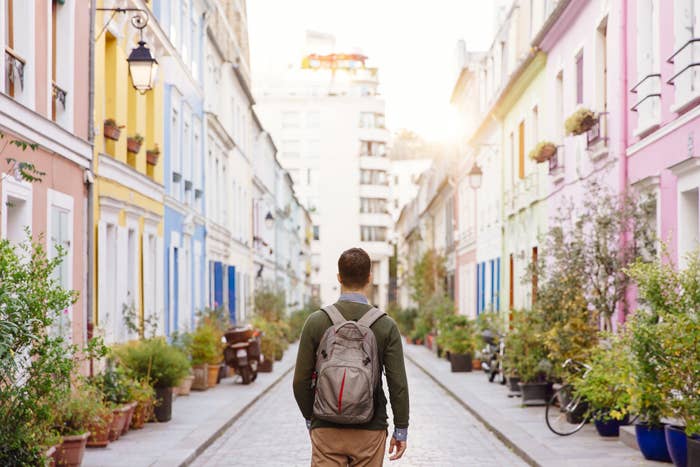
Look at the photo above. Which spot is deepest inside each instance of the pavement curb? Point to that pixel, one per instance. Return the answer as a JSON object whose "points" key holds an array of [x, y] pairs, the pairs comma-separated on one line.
{"points": [[219, 432], [500, 435]]}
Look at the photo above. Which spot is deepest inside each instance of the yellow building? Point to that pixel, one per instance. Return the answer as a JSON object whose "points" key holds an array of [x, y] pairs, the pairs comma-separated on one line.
{"points": [[128, 186]]}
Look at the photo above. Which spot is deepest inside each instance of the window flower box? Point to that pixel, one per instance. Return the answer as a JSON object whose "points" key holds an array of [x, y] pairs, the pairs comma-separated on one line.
{"points": [[543, 152], [152, 156], [580, 121], [133, 143], [111, 130]]}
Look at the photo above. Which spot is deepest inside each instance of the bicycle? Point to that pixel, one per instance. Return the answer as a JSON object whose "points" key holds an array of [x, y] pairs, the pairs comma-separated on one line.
{"points": [[566, 412]]}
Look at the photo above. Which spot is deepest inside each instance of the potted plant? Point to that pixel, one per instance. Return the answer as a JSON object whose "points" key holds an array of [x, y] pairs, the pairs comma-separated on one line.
{"points": [[671, 297], [605, 385], [182, 341], [152, 155], [73, 416], [100, 428], [543, 151], [457, 337], [161, 364], [580, 121], [111, 129], [143, 395], [646, 394], [205, 352], [114, 387], [526, 357], [133, 143]]}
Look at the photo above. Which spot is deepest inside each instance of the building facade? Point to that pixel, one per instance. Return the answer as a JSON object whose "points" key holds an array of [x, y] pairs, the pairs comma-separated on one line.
{"points": [[183, 151], [128, 192], [43, 101], [328, 122]]}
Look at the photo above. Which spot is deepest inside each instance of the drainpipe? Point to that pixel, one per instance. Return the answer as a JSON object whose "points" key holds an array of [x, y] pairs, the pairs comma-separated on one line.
{"points": [[89, 181], [624, 169]]}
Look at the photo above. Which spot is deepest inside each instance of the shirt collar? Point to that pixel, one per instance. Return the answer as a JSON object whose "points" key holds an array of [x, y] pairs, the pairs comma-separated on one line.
{"points": [[353, 297]]}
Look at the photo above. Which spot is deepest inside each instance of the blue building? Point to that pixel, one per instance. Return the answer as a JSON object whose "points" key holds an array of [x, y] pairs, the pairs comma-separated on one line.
{"points": [[185, 267]]}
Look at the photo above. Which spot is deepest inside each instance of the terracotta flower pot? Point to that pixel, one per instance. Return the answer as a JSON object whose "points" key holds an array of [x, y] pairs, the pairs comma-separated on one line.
{"points": [[212, 375], [201, 377], [142, 412], [118, 422], [70, 452], [476, 364], [129, 416], [99, 431], [152, 157], [111, 132], [265, 366], [546, 153], [50, 456], [133, 145], [184, 388]]}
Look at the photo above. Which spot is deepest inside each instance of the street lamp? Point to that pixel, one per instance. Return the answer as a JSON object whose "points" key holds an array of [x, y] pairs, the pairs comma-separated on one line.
{"points": [[142, 68], [142, 65], [475, 175], [269, 220]]}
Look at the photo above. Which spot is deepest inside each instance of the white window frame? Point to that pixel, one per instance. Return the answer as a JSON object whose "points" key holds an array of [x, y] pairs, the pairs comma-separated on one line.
{"points": [[14, 188], [64, 202]]}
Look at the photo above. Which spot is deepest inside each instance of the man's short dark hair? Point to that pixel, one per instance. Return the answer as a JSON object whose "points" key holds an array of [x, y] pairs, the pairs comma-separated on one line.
{"points": [[354, 267]]}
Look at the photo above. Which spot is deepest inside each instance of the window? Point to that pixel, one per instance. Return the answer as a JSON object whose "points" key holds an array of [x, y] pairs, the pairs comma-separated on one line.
{"points": [[372, 233], [688, 222], [521, 150], [16, 209], [648, 110], [372, 148], [316, 232], [60, 235], [579, 78], [373, 205], [313, 119], [559, 104], [290, 119], [373, 177], [686, 28]]}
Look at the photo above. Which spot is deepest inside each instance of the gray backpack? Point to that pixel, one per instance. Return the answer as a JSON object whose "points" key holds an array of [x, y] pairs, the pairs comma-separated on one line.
{"points": [[347, 369]]}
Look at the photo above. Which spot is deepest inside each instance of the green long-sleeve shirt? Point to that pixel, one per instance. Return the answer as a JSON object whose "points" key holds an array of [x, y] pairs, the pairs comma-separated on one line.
{"points": [[390, 352]]}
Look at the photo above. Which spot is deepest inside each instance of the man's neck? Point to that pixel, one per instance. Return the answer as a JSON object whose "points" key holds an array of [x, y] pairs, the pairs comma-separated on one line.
{"points": [[348, 291]]}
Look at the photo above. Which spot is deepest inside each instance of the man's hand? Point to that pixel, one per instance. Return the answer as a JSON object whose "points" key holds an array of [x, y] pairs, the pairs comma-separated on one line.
{"points": [[397, 448]]}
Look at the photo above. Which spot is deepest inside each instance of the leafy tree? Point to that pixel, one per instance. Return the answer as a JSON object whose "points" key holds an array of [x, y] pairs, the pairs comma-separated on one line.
{"points": [[427, 278]]}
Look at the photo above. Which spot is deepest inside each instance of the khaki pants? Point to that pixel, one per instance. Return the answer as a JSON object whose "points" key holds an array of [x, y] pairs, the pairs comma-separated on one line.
{"points": [[342, 447]]}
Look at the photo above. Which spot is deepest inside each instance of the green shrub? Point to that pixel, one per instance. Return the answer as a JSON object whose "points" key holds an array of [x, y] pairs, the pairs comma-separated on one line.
{"points": [[606, 385], [205, 345], [35, 366], [525, 354], [78, 409], [457, 335], [155, 361], [114, 385]]}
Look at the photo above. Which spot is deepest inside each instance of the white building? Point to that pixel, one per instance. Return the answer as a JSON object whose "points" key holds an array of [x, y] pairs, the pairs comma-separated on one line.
{"points": [[403, 179], [229, 149], [328, 121]]}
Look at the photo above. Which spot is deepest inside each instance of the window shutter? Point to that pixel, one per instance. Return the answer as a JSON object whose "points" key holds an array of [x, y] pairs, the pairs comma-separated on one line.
{"points": [[121, 284]]}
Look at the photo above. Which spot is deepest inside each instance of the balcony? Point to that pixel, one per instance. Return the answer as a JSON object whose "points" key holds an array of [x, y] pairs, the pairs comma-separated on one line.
{"points": [[14, 72], [648, 106], [686, 77], [556, 165], [597, 137], [58, 100]]}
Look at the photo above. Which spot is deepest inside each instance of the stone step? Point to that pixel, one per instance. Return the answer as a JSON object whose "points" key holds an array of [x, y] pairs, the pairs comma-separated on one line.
{"points": [[628, 436]]}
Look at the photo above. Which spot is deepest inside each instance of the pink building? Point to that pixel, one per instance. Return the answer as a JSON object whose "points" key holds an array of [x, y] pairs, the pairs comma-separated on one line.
{"points": [[44, 100], [663, 92]]}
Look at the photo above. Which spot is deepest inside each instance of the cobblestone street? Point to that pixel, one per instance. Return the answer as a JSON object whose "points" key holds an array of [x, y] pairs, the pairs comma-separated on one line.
{"points": [[441, 434]]}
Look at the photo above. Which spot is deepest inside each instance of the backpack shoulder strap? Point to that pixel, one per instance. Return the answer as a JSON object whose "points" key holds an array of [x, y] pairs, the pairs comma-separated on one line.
{"points": [[370, 317], [334, 314]]}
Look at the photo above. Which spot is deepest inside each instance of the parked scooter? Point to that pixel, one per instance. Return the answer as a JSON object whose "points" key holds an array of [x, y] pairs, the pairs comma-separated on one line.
{"points": [[492, 356], [242, 352]]}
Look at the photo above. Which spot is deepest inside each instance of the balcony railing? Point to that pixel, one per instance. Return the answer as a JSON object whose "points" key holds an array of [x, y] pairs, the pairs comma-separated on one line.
{"points": [[14, 71], [59, 97], [556, 163], [599, 132]]}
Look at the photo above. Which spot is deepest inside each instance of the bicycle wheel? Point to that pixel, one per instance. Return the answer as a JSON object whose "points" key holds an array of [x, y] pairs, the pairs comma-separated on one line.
{"points": [[567, 419]]}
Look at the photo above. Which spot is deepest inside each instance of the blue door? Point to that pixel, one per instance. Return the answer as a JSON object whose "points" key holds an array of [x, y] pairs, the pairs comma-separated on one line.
{"points": [[232, 294], [218, 284]]}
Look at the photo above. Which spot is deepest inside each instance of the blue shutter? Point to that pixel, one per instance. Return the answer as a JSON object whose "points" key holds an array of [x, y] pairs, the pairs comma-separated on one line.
{"points": [[483, 286], [176, 288], [218, 285], [478, 288], [492, 266], [498, 284], [232, 293]]}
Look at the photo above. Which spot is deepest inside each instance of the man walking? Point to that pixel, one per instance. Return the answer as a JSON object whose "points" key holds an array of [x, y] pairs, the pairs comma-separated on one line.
{"points": [[337, 379]]}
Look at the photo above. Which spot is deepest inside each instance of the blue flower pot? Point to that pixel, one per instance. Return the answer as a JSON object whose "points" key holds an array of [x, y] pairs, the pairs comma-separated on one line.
{"points": [[608, 428], [652, 442], [677, 445]]}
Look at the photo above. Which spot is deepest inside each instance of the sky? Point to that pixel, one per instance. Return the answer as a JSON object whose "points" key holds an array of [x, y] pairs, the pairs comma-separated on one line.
{"points": [[412, 42]]}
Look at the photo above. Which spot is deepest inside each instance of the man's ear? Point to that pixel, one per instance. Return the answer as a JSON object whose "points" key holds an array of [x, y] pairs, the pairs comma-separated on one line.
{"points": [[338, 276]]}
